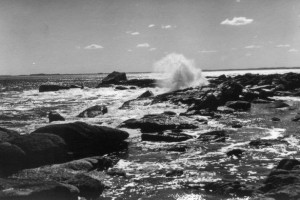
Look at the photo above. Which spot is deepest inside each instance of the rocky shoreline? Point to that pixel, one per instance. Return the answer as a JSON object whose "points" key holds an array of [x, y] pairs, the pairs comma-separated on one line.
{"points": [[236, 139]]}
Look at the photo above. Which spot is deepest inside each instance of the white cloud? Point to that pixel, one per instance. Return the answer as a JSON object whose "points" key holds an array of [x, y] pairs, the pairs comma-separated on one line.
{"points": [[293, 50], [143, 45], [152, 49], [248, 54], [253, 47], [94, 46], [238, 1], [283, 45], [237, 21], [166, 26], [135, 33], [129, 50], [207, 51], [151, 25]]}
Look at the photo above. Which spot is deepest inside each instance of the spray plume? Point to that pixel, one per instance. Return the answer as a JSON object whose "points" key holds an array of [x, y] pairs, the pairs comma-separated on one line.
{"points": [[180, 71]]}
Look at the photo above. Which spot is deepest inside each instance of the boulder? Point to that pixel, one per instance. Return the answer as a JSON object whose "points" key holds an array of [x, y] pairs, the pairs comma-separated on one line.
{"points": [[284, 181], [278, 104], [165, 137], [89, 187], [235, 152], [238, 105], [83, 139], [49, 88], [174, 172], [113, 78], [55, 116], [93, 111], [6, 134], [41, 149], [12, 158], [146, 94], [159, 122], [27, 189]]}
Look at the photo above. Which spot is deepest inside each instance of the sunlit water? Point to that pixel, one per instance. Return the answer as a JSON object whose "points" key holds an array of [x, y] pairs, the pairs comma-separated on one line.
{"points": [[24, 108]]}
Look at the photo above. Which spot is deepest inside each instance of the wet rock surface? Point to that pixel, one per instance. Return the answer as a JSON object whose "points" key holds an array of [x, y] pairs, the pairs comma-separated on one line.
{"points": [[93, 111]]}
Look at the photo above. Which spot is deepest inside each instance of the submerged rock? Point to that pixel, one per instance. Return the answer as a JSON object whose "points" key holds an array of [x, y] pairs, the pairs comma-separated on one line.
{"points": [[278, 104], [266, 142], [165, 137], [93, 111], [213, 136], [229, 188], [55, 116], [159, 122], [235, 152]]}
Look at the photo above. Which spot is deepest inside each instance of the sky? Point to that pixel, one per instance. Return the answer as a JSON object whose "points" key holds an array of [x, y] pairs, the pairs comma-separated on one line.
{"points": [[94, 36]]}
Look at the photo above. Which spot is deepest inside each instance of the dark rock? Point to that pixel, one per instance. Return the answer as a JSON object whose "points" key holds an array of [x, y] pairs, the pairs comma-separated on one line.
{"points": [[116, 172], [132, 88], [7, 135], [169, 113], [235, 152], [113, 78], [12, 158], [89, 187], [174, 172], [146, 94], [93, 111], [288, 164], [159, 122], [249, 95], [86, 140], [237, 125], [165, 137], [41, 149], [208, 101], [49, 88], [213, 136], [140, 83], [178, 149], [25, 189], [238, 105], [275, 119], [55, 116], [266, 142], [121, 88], [278, 104]]}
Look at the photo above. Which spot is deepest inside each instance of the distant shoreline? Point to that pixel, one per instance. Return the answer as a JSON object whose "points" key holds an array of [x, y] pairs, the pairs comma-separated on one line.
{"points": [[204, 70]]}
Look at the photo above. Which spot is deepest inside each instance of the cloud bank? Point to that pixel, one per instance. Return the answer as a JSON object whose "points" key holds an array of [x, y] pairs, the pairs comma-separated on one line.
{"points": [[253, 47], [237, 21]]}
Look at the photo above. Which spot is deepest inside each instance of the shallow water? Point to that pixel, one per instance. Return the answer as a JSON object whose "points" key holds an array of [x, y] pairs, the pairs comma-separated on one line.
{"points": [[24, 109]]}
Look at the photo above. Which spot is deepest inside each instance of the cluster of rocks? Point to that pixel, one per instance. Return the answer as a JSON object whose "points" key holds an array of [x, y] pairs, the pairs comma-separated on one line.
{"points": [[58, 143]]}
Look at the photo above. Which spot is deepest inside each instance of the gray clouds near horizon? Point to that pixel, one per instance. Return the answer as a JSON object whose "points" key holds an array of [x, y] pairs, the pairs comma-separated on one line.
{"points": [[91, 36]]}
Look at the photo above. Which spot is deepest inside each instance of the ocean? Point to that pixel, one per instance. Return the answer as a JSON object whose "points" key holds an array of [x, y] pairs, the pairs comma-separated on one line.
{"points": [[23, 108]]}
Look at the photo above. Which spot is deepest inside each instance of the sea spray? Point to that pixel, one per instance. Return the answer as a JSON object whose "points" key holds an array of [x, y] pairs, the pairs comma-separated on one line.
{"points": [[180, 72]]}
